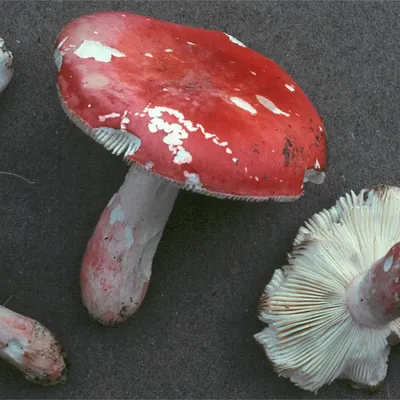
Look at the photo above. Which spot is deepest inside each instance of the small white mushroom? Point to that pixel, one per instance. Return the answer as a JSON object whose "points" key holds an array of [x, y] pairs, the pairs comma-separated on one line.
{"points": [[6, 66]]}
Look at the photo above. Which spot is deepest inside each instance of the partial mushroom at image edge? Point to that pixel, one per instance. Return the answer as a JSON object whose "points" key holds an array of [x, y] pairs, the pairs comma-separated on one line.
{"points": [[333, 311], [6, 66], [187, 108], [31, 348]]}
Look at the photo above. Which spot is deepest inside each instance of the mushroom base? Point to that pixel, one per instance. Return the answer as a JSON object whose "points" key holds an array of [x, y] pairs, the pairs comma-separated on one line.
{"points": [[117, 264], [32, 348]]}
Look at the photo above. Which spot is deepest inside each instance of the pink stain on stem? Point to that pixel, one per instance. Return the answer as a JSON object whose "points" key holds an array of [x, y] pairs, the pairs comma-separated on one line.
{"points": [[117, 264]]}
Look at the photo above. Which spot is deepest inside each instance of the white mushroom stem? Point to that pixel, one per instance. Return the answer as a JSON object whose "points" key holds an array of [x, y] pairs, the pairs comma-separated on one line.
{"points": [[32, 348], [6, 66], [373, 298], [117, 264]]}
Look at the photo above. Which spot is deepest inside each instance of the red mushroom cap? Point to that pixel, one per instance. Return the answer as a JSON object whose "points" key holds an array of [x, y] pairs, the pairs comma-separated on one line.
{"points": [[193, 105]]}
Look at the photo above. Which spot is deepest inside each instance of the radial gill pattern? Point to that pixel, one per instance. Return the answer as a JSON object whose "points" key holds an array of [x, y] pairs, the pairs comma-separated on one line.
{"points": [[311, 337]]}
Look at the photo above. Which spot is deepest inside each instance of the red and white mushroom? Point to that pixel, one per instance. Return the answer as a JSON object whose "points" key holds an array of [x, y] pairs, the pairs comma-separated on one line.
{"points": [[334, 310], [6, 66], [188, 108], [32, 348]]}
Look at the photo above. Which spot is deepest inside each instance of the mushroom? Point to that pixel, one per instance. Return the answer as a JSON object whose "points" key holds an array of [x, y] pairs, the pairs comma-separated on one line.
{"points": [[187, 108], [32, 348], [6, 66], [334, 310]]}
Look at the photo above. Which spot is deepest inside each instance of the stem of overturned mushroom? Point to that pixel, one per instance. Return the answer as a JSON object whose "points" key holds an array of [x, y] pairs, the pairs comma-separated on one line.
{"points": [[6, 66], [373, 298], [32, 348], [117, 264]]}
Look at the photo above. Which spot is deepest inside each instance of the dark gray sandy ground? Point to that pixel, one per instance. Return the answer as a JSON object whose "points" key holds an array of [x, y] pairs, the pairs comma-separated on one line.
{"points": [[193, 336]]}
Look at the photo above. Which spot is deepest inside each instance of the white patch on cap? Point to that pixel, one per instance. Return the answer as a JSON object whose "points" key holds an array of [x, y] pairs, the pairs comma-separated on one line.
{"points": [[168, 50], [234, 40], [182, 156], [317, 165], [256, 178], [243, 104], [117, 215], [95, 32], [192, 180], [388, 264], [191, 43], [270, 106], [253, 72], [148, 55], [102, 118], [290, 87], [320, 128], [149, 165], [228, 150], [99, 51], [129, 239], [234, 159], [174, 138], [177, 131], [124, 120]]}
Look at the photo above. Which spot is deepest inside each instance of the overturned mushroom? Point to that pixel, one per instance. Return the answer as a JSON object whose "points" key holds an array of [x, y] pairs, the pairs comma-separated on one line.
{"points": [[334, 310], [32, 348], [6, 66], [187, 108]]}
